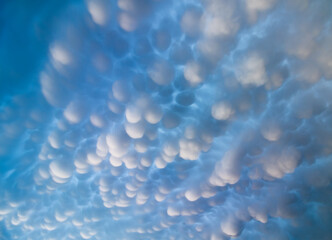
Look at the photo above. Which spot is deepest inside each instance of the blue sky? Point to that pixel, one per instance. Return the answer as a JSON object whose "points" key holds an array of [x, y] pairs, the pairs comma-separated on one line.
{"points": [[155, 119]]}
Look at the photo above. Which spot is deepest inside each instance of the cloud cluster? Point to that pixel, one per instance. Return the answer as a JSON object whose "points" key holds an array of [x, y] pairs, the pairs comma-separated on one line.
{"points": [[154, 119]]}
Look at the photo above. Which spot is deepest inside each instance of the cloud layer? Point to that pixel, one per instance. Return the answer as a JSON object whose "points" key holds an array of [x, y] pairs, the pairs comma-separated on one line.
{"points": [[154, 119]]}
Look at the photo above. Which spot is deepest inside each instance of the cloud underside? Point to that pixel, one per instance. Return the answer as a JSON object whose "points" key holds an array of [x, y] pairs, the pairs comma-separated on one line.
{"points": [[154, 119]]}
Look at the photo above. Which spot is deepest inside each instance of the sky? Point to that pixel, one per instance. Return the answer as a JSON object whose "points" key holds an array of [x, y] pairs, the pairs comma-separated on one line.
{"points": [[166, 119]]}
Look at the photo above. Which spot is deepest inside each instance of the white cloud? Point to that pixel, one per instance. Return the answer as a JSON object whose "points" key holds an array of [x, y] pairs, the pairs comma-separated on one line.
{"points": [[61, 169], [221, 111], [161, 72], [133, 114], [99, 10], [194, 73], [75, 111], [135, 130], [121, 91], [227, 170], [153, 114], [61, 55], [231, 226], [251, 71]]}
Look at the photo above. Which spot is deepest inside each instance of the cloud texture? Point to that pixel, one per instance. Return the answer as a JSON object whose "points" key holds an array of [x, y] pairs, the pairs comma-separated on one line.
{"points": [[155, 119]]}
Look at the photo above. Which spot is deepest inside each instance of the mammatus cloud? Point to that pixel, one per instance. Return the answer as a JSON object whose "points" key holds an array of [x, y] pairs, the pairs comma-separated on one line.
{"points": [[154, 119]]}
